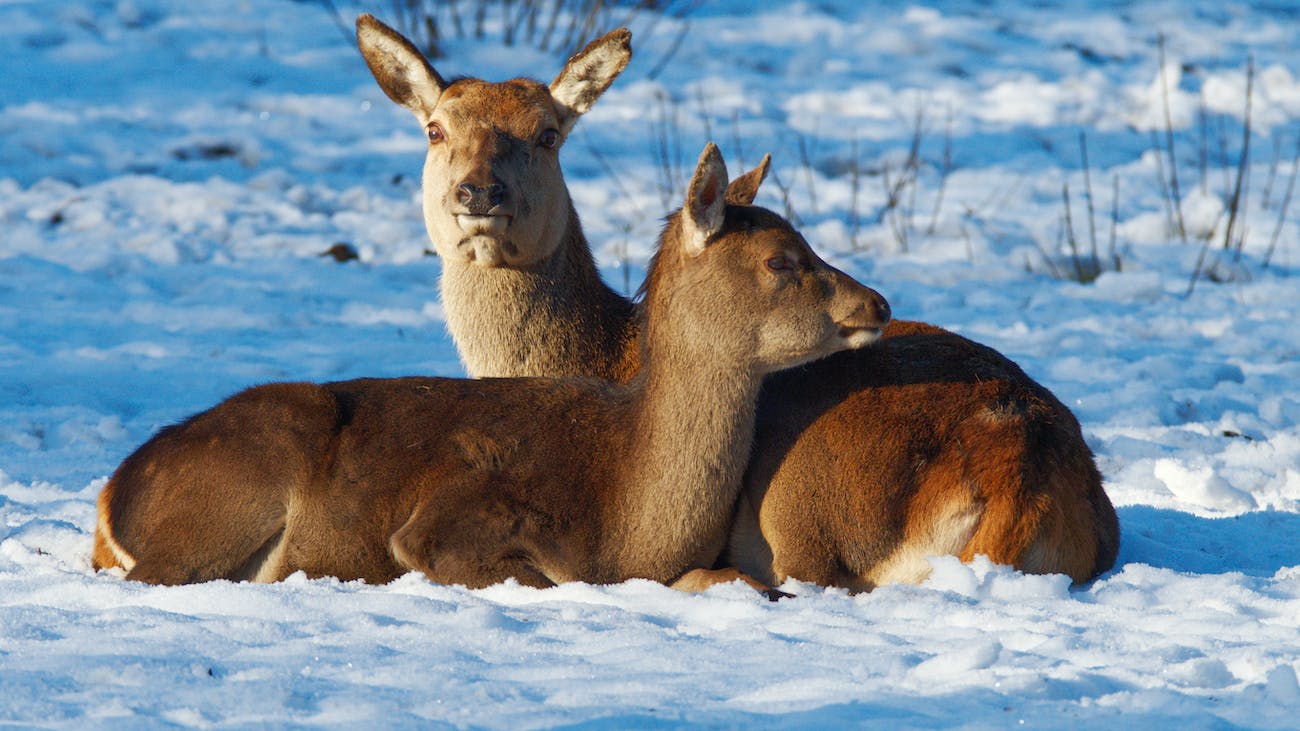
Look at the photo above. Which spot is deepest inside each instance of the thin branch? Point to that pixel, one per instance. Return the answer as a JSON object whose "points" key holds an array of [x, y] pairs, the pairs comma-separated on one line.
{"points": [[1286, 202], [1169, 141], [735, 139], [855, 181], [668, 55], [704, 112], [785, 199], [1204, 123], [1114, 220], [1235, 201], [1267, 194], [806, 159], [346, 32], [1200, 259], [1069, 234], [1060, 234], [913, 166], [1164, 187], [943, 173], [1087, 196]]}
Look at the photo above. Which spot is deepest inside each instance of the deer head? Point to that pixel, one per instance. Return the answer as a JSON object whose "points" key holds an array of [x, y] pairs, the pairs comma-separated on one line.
{"points": [[492, 179], [718, 249]]}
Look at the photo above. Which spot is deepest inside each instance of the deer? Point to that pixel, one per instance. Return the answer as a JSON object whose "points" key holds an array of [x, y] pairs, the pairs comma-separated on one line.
{"points": [[865, 463], [473, 482]]}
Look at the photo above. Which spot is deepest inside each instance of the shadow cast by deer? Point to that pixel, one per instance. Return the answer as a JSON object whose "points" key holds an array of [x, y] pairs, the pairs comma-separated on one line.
{"points": [[864, 463], [473, 482]]}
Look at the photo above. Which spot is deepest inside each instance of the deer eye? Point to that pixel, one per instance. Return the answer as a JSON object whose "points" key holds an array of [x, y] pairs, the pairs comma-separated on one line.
{"points": [[550, 139], [435, 133], [780, 264]]}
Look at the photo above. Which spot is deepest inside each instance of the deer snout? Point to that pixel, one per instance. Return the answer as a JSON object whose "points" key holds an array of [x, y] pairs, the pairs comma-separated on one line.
{"points": [[863, 312], [479, 200]]}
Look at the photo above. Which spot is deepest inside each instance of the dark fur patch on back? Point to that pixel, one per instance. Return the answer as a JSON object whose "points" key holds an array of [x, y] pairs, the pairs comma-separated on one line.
{"points": [[481, 451]]}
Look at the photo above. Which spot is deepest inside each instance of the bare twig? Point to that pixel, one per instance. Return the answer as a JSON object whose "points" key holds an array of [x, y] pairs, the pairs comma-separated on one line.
{"points": [[855, 221], [624, 255], [1200, 259], [890, 210], [806, 159], [1235, 201], [347, 33], [1223, 153], [1114, 220], [550, 25], [1267, 194], [560, 25], [1164, 187], [735, 139], [1204, 119], [1060, 234], [997, 197], [704, 112], [1286, 202], [665, 134], [943, 174], [1069, 234], [1087, 196], [508, 29], [1169, 141], [785, 199], [614, 176], [913, 166], [668, 55]]}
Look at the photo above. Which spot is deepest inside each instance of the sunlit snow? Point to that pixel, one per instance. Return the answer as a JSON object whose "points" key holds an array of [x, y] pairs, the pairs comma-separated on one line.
{"points": [[172, 172]]}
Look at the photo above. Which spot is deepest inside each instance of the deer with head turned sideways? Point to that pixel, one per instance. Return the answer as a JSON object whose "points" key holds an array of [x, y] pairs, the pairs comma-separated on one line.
{"points": [[473, 482], [864, 464]]}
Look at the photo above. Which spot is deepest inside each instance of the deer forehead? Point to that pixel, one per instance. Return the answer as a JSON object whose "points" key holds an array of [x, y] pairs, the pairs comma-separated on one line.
{"points": [[760, 230], [520, 107]]}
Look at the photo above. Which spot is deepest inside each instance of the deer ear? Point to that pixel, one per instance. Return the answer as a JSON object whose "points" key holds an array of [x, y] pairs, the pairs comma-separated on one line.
{"points": [[588, 74], [742, 190], [402, 71], [706, 204]]}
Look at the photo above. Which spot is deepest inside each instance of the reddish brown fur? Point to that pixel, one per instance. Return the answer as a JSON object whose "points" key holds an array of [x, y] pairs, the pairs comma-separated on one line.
{"points": [[474, 482], [951, 423], [928, 443]]}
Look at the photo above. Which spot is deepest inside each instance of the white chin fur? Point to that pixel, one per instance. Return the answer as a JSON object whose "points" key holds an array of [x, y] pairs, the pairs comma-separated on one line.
{"points": [[860, 338], [483, 225], [483, 251]]}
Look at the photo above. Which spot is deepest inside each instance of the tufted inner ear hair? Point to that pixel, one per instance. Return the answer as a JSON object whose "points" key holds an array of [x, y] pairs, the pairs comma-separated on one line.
{"points": [[401, 70], [706, 201], [588, 74], [742, 190]]}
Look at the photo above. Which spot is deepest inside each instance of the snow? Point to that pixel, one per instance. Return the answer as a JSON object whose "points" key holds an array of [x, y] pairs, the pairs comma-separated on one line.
{"points": [[171, 174]]}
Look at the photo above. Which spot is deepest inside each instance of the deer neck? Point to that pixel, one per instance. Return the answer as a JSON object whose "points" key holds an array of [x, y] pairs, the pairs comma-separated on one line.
{"points": [[691, 441], [554, 318]]}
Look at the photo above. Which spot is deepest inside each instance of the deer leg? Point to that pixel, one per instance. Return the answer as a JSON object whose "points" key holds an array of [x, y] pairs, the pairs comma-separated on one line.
{"points": [[698, 580], [463, 536], [236, 564]]}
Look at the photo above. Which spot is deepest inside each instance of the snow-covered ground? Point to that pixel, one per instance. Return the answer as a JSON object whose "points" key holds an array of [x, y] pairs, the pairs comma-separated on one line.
{"points": [[170, 173]]}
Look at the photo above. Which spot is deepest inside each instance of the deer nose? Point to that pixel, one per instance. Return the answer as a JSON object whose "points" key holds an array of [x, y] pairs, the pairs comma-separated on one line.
{"points": [[883, 313], [874, 311], [869, 308], [480, 199]]}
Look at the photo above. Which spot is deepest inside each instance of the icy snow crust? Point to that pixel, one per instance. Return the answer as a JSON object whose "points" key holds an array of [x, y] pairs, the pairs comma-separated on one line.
{"points": [[170, 173]]}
